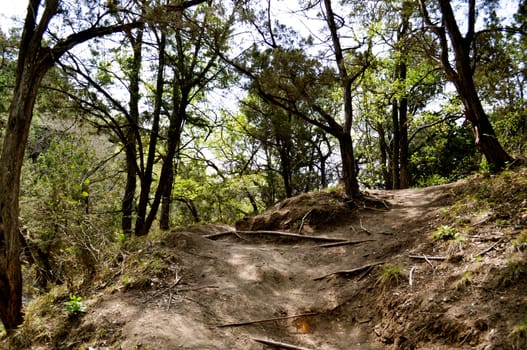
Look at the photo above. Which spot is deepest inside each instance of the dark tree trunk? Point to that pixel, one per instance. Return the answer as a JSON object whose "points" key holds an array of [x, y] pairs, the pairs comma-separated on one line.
{"points": [[402, 35], [146, 181], [285, 167], [175, 128], [403, 144], [193, 211], [132, 137], [384, 150], [348, 166], [252, 200], [462, 77], [166, 202], [349, 171], [32, 65], [34, 61], [127, 202], [395, 146]]}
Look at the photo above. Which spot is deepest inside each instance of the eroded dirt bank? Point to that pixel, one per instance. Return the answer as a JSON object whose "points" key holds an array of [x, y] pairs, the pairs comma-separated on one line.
{"points": [[378, 282]]}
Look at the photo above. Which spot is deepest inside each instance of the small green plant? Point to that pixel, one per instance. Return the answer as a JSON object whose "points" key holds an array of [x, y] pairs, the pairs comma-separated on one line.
{"points": [[446, 233], [465, 280], [500, 223], [485, 168], [75, 305], [520, 331], [513, 272], [520, 243], [389, 275], [120, 237]]}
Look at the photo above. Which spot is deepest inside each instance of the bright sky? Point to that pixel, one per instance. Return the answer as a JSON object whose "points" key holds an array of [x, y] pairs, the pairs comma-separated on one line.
{"points": [[10, 9]]}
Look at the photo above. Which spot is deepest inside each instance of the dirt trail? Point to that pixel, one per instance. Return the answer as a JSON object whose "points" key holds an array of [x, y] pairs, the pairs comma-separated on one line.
{"points": [[226, 292]]}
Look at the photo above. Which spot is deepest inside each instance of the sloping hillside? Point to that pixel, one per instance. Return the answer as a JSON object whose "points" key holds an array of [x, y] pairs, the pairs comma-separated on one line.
{"points": [[435, 268]]}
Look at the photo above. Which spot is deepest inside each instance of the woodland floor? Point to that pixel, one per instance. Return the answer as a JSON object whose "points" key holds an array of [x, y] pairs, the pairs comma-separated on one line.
{"points": [[234, 290]]}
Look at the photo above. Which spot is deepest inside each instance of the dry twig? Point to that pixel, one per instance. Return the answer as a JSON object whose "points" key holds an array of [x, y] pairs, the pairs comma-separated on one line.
{"points": [[423, 257], [411, 278], [352, 272], [485, 251], [279, 344], [336, 244], [429, 262], [303, 220], [245, 323], [363, 228], [275, 233]]}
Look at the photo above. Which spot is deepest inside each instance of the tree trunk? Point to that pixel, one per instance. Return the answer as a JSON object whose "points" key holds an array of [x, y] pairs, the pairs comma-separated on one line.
{"points": [[146, 181], [32, 65], [285, 166], [177, 120], [395, 146], [166, 202], [384, 150], [34, 61], [403, 136], [349, 177], [349, 171], [127, 202], [462, 77], [15, 140]]}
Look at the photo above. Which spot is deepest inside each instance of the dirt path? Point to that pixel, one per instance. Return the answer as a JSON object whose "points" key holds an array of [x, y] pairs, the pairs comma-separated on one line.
{"points": [[229, 291]]}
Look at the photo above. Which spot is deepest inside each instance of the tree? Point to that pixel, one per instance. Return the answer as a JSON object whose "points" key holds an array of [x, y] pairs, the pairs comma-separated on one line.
{"points": [[400, 85], [37, 55], [462, 75], [192, 56], [284, 74], [299, 148]]}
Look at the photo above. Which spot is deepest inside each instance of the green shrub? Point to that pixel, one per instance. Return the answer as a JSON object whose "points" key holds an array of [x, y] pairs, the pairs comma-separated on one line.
{"points": [[389, 275], [446, 233], [74, 306]]}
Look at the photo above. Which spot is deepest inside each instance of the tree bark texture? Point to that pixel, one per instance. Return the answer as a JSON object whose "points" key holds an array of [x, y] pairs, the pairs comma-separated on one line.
{"points": [[166, 201]]}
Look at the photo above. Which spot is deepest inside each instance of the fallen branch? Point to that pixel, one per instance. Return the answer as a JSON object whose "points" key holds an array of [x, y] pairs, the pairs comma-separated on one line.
{"points": [[163, 290], [220, 234], [365, 273], [197, 288], [350, 273], [424, 257], [485, 251], [362, 227], [279, 344], [303, 220], [336, 244], [411, 278], [275, 233], [429, 262], [245, 323], [169, 301]]}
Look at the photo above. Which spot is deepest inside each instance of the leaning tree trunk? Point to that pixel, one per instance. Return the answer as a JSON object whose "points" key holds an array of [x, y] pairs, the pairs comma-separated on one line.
{"points": [[484, 136], [30, 71], [462, 77], [33, 64]]}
